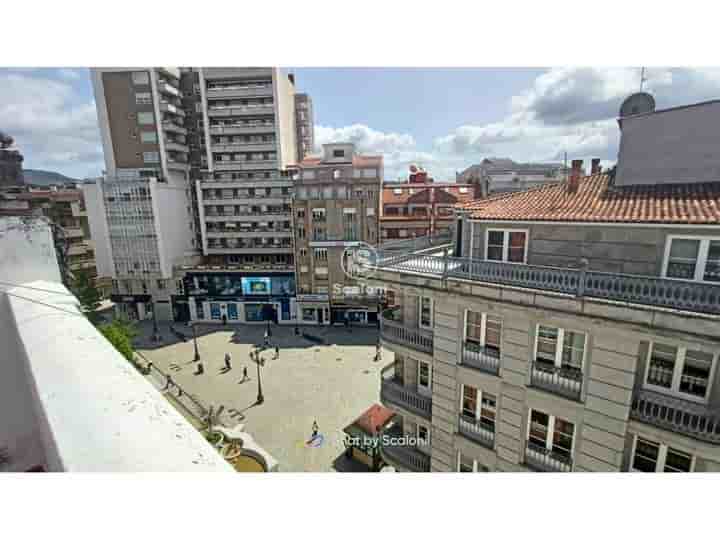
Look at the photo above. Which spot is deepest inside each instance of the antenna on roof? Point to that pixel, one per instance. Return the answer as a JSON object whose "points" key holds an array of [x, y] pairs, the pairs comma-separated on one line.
{"points": [[642, 78]]}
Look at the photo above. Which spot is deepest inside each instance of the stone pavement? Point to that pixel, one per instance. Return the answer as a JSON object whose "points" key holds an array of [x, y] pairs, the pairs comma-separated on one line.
{"points": [[331, 384]]}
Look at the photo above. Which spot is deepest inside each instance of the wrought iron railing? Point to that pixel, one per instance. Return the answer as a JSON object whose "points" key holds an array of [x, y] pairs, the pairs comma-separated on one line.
{"points": [[392, 390], [647, 290], [396, 332], [481, 358], [474, 429], [409, 457], [543, 459], [675, 414], [564, 381]]}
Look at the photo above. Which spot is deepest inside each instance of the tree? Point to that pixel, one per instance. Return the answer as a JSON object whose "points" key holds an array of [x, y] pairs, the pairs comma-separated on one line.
{"points": [[119, 333], [87, 294]]}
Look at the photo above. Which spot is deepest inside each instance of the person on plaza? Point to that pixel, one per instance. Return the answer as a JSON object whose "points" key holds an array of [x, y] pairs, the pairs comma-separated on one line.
{"points": [[245, 375], [168, 382], [277, 352], [200, 369], [315, 429], [228, 358], [266, 341]]}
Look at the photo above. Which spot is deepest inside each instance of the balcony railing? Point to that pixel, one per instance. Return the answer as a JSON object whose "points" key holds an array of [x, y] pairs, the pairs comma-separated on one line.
{"points": [[648, 290], [541, 459], [242, 129], [396, 332], [393, 391], [564, 381], [408, 457], [675, 414], [477, 431], [480, 358]]}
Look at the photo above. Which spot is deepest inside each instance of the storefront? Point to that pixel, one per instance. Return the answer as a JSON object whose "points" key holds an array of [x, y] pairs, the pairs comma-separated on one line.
{"points": [[347, 314], [313, 309], [136, 307]]}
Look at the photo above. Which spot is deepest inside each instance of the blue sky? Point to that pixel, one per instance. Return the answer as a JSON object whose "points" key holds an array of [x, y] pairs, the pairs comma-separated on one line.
{"points": [[444, 119]]}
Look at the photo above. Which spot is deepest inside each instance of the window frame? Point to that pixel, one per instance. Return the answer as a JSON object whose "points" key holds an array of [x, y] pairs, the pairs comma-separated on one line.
{"points": [[561, 344], [426, 445], [483, 327], [476, 465], [674, 389], [551, 431], [424, 389], [479, 394], [506, 244], [431, 324], [701, 261], [662, 455]]}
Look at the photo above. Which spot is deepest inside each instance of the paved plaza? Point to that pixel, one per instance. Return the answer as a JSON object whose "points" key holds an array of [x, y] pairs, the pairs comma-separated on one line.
{"points": [[331, 384]]}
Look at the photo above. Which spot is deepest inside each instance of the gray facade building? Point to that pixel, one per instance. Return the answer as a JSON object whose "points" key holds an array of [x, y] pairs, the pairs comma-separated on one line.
{"points": [[503, 175], [305, 125], [571, 327]]}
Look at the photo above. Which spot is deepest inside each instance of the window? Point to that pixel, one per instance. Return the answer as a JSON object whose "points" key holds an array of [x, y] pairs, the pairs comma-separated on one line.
{"points": [[423, 435], [140, 77], [199, 310], [148, 137], [151, 157], [507, 246], [338, 153], [301, 214], [478, 407], [303, 252], [649, 456], [301, 232], [678, 369], [425, 317], [467, 464], [321, 271], [559, 347], [143, 98], [232, 310], [551, 433], [696, 259], [145, 118], [215, 310], [484, 331], [424, 377], [320, 254]]}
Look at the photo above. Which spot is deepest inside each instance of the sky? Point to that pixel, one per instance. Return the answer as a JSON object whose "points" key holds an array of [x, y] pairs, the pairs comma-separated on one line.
{"points": [[444, 119]]}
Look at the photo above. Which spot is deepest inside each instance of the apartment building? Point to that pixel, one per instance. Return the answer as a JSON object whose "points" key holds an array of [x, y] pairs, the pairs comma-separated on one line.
{"points": [[336, 207], [140, 212], [305, 125], [503, 175], [65, 208], [421, 206], [11, 159], [570, 327]]}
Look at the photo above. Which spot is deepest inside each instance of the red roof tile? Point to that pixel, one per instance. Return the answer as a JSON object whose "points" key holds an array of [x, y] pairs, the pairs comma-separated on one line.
{"points": [[597, 200], [373, 420], [420, 193]]}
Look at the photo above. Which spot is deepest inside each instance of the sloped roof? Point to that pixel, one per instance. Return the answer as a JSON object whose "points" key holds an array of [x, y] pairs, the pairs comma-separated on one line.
{"points": [[597, 200]]}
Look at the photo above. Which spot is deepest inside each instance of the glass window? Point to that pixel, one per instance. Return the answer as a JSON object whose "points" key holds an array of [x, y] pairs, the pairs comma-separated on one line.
{"points": [[646, 456], [506, 246], [425, 312], [495, 245], [662, 365], [493, 328], [677, 461], [214, 310], [683, 258], [547, 342], [695, 377], [424, 375], [140, 77], [465, 464], [539, 422], [516, 248], [143, 98], [488, 408], [232, 311], [148, 137], [573, 350], [145, 118], [423, 435], [563, 437], [469, 401], [474, 326], [712, 265], [199, 310]]}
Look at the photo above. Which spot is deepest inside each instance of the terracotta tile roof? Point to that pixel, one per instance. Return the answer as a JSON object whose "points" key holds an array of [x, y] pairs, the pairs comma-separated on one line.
{"points": [[373, 420], [597, 200], [421, 193], [357, 161]]}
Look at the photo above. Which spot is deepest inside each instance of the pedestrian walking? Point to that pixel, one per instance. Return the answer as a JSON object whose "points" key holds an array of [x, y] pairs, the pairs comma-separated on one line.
{"points": [[245, 375], [227, 361], [200, 369], [168, 382], [315, 429], [277, 352]]}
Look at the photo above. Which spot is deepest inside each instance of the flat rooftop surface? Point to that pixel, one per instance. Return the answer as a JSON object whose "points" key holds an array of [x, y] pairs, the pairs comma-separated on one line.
{"points": [[331, 384]]}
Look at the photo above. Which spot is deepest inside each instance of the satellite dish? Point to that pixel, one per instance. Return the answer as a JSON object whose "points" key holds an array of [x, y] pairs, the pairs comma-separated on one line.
{"points": [[638, 103], [413, 168]]}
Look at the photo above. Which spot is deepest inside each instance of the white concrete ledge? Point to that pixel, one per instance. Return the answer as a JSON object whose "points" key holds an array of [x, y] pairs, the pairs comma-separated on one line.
{"points": [[96, 413]]}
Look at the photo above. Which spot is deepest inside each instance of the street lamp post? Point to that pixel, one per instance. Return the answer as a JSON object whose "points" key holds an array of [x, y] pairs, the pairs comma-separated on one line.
{"points": [[197, 353], [260, 397]]}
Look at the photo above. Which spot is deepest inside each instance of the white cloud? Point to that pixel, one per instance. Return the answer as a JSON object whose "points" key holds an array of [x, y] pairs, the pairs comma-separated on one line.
{"points": [[51, 125]]}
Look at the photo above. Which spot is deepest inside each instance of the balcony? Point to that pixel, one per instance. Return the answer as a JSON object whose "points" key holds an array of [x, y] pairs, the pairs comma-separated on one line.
{"points": [[239, 92], [541, 459], [172, 127], [395, 331], [675, 414], [254, 250], [264, 146], [481, 358], [251, 233], [212, 217], [168, 89], [407, 457], [219, 112], [242, 129], [394, 392], [244, 165], [173, 146], [645, 290], [177, 164], [564, 381], [170, 108], [73, 232], [476, 431]]}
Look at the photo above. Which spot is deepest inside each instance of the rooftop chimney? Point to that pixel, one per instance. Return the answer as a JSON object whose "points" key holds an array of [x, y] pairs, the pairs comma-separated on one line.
{"points": [[595, 167], [575, 173]]}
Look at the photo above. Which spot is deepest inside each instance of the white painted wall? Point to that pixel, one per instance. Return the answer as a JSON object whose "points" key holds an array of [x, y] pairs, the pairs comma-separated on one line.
{"points": [[285, 130], [27, 252], [98, 228], [172, 222]]}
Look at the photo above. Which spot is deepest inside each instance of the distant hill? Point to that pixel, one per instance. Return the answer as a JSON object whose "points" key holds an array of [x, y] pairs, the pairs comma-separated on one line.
{"points": [[45, 178]]}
